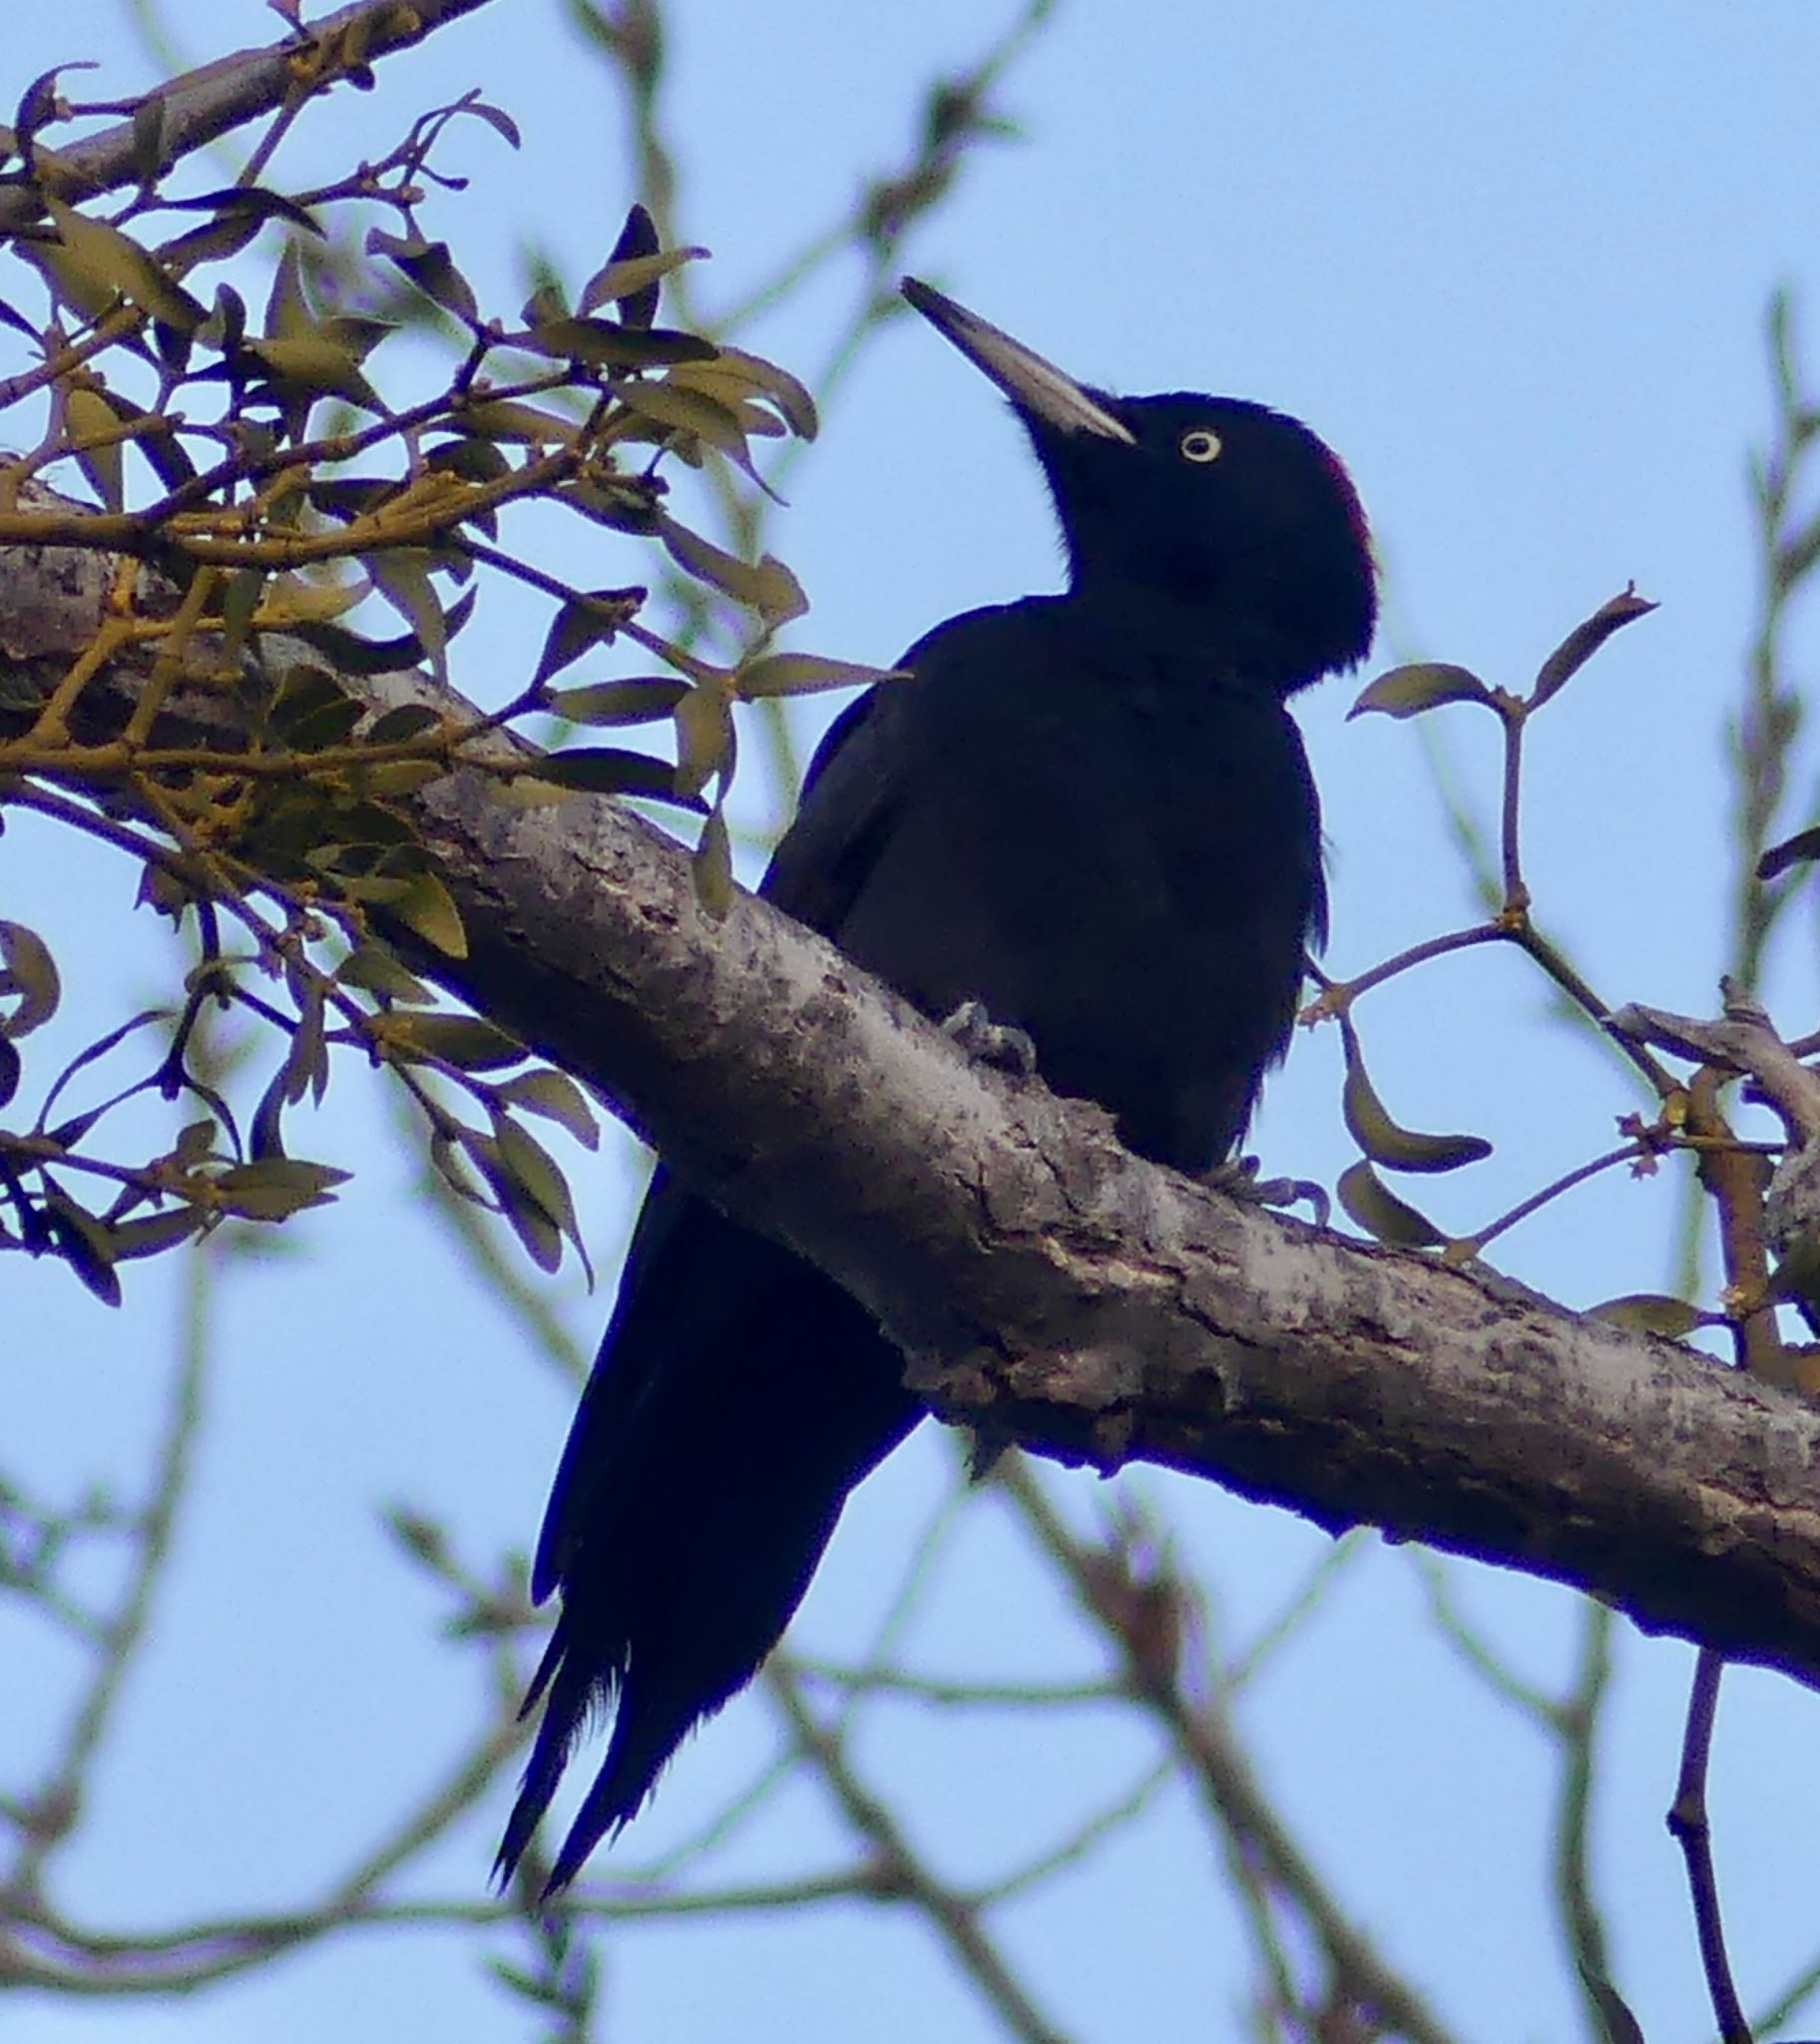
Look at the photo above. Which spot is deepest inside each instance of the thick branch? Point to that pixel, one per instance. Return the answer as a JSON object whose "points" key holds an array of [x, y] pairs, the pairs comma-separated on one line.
{"points": [[1049, 1285]]}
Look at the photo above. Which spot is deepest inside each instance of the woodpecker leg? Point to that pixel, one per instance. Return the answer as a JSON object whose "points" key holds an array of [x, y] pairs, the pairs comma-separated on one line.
{"points": [[991, 1043], [1238, 1180]]}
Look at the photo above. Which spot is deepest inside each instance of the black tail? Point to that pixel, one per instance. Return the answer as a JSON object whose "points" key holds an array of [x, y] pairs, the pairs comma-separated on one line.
{"points": [[738, 1399]]}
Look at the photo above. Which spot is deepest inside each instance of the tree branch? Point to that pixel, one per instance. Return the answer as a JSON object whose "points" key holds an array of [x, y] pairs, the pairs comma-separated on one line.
{"points": [[1050, 1287], [207, 102]]}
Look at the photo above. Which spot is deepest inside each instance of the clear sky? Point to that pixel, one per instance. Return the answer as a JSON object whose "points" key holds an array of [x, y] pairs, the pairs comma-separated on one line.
{"points": [[1513, 263]]}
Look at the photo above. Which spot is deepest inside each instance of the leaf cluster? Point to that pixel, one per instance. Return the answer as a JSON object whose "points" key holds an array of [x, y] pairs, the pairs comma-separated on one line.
{"points": [[251, 480]]}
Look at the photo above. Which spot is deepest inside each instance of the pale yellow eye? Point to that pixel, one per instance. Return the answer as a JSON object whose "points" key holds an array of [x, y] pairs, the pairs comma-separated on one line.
{"points": [[1203, 444]]}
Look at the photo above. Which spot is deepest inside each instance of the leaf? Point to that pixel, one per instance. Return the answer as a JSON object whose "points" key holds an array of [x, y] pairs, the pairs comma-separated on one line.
{"points": [[556, 1097], [39, 105], [358, 656], [540, 1235], [1408, 691], [28, 970], [787, 393], [312, 709], [402, 576], [156, 439], [676, 409], [714, 867], [116, 262], [276, 1188], [639, 698], [1381, 1138], [289, 313], [1650, 1312], [805, 673], [431, 267], [1584, 640], [607, 770], [602, 345], [154, 1232], [628, 282], [84, 1242], [532, 1166], [636, 242], [1377, 1210], [253, 201], [765, 586], [426, 907], [593, 620], [87, 416], [705, 740], [372, 967], [468, 1042], [315, 365], [395, 727]]}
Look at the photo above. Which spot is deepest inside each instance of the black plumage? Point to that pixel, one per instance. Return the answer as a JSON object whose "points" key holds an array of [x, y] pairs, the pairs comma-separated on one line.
{"points": [[1091, 813]]}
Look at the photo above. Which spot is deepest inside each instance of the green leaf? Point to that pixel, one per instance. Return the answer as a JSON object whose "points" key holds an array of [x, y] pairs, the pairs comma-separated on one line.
{"points": [[312, 709], [276, 1188], [540, 1235], [373, 967], [1377, 1210], [765, 586], [1584, 640], [86, 416], [533, 1167], [154, 1232], [85, 1242], [254, 200], [753, 374], [506, 419], [195, 1142], [466, 1041], [639, 698], [1408, 691], [636, 242], [806, 674], [602, 345], [28, 970], [631, 277], [115, 261], [431, 267], [427, 908], [1381, 1138], [593, 620], [607, 770], [288, 312], [1650, 1313], [395, 727], [402, 576], [714, 867], [676, 408], [316, 364], [705, 740], [556, 1097]]}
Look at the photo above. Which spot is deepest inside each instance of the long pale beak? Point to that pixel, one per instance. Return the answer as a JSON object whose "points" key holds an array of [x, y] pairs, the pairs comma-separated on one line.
{"points": [[1033, 384]]}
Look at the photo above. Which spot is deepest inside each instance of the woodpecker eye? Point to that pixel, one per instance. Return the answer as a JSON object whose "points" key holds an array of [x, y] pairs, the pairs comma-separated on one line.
{"points": [[1203, 444]]}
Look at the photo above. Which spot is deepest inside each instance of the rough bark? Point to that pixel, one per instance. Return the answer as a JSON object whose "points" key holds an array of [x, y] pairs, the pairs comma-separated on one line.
{"points": [[1050, 1288]]}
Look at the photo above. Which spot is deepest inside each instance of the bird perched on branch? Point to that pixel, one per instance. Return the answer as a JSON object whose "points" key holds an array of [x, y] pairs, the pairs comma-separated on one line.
{"points": [[1089, 816]]}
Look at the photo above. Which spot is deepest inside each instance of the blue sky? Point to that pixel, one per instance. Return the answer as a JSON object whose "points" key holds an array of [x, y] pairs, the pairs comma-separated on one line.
{"points": [[1512, 264]]}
